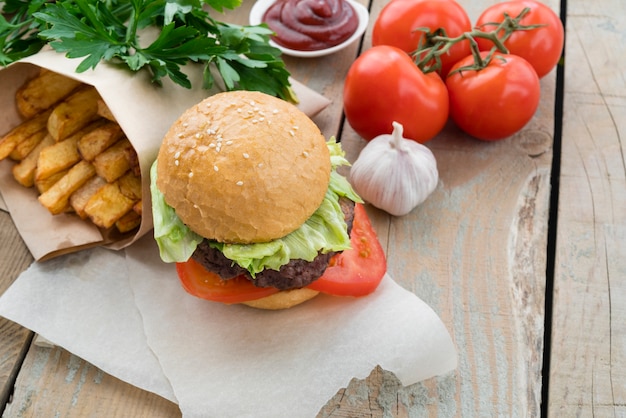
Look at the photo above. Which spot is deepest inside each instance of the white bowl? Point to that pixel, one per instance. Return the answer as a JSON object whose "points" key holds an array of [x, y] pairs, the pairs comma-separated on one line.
{"points": [[260, 7]]}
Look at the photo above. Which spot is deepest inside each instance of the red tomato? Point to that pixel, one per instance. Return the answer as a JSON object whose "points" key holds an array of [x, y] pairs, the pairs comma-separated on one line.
{"points": [[384, 85], [494, 102], [200, 282], [541, 47], [397, 23], [359, 270]]}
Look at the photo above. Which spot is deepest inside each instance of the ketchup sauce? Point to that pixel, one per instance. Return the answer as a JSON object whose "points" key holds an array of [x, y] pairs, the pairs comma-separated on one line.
{"points": [[311, 25]]}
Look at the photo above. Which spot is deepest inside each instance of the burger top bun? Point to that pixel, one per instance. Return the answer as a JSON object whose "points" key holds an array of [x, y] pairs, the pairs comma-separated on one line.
{"points": [[243, 167], [283, 300]]}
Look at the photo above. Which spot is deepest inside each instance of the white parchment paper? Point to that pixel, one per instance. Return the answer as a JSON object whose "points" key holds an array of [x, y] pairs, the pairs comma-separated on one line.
{"points": [[133, 320]]}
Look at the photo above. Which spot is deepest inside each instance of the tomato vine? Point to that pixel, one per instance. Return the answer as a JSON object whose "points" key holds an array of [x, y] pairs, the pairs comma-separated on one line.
{"points": [[437, 43]]}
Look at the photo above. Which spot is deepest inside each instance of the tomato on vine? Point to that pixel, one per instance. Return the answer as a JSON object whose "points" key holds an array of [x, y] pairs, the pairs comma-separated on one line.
{"points": [[384, 85], [540, 46], [496, 101], [402, 23]]}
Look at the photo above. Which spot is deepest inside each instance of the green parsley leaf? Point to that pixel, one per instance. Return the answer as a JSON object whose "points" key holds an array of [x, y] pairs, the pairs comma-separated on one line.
{"points": [[117, 31]]}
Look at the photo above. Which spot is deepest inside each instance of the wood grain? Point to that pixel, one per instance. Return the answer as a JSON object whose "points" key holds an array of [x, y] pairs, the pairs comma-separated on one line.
{"points": [[588, 359], [57, 383], [14, 257], [475, 252]]}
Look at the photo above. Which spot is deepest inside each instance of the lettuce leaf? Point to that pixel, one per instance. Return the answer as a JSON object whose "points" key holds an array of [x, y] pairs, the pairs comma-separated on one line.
{"points": [[324, 231], [175, 240]]}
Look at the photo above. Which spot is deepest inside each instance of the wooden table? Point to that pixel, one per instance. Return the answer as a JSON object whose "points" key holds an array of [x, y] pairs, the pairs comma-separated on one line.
{"points": [[521, 250]]}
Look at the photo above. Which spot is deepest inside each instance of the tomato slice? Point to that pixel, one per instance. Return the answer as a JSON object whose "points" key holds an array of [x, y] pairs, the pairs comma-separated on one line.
{"points": [[200, 282], [359, 270]]}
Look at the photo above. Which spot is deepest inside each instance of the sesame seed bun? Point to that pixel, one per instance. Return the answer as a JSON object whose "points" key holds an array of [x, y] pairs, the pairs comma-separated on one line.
{"points": [[283, 300], [243, 167]]}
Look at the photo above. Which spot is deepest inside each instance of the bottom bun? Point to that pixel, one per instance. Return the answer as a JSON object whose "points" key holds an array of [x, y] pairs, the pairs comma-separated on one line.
{"points": [[283, 300]]}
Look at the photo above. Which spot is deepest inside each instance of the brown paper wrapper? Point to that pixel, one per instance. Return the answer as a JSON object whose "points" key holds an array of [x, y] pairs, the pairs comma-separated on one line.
{"points": [[145, 112]]}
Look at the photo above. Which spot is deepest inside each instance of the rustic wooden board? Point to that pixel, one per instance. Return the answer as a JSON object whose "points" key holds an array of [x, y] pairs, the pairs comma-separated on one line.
{"points": [[57, 383], [14, 257], [475, 251], [588, 358]]}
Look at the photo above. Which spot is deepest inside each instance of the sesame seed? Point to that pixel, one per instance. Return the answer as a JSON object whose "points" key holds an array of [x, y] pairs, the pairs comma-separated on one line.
{"points": [[292, 133], [255, 121], [176, 163], [261, 119], [252, 103], [185, 125], [211, 145], [177, 155], [199, 135], [190, 174], [180, 135], [246, 155], [260, 165], [306, 154], [239, 183], [296, 127], [215, 168], [229, 142], [238, 110], [275, 111]]}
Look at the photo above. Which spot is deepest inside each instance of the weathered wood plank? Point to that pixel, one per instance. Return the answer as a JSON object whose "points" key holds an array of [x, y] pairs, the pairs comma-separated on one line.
{"points": [[57, 383], [475, 251], [14, 257], [588, 356]]}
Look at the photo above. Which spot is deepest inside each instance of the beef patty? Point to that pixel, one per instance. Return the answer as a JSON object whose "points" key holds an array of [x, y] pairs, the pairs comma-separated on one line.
{"points": [[295, 274]]}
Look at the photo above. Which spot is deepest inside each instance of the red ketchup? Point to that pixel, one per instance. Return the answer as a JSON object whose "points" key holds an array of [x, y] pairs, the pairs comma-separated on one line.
{"points": [[311, 25]]}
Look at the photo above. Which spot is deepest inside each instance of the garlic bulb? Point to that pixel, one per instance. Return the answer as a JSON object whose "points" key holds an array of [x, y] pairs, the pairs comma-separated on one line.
{"points": [[393, 173]]}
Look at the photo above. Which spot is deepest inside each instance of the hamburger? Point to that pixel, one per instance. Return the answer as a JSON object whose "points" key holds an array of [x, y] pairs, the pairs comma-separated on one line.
{"points": [[248, 203]]}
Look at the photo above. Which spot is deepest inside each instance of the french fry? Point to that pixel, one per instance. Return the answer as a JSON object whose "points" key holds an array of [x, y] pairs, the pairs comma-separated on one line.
{"points": [[79, 199], [74, 113], [98, 140], [104, 111], [43, 92], [45, 184], [113, 162], [138, 207], [24, 147], [56, 198], [22, 131], [108, 205], [74, 153], [130, 186], [128, 222], [24, 172], [133, 160], [62, 155]]}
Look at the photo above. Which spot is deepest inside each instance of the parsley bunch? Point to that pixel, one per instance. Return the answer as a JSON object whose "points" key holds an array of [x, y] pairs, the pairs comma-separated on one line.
{"points": [[159, 36], [19, 30]]}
